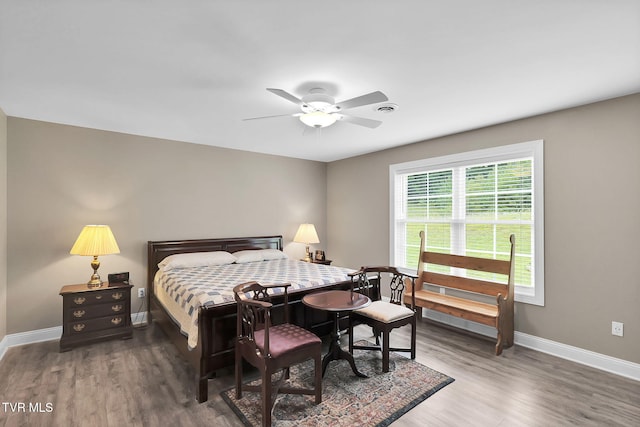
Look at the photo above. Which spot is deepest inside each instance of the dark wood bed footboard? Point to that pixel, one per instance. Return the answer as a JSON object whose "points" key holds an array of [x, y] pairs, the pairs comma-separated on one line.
{"points": [[216, 328]]}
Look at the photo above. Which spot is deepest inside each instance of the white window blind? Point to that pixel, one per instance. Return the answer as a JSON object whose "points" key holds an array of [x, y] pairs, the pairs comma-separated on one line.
{"points": [[469, 204]]}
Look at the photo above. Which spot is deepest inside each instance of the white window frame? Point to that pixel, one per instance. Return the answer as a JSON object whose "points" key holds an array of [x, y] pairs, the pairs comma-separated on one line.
{"points": [[535, 149]]}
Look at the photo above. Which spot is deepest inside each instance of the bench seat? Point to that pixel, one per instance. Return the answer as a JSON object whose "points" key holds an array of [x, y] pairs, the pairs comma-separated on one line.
{"points": [[464, 308]]}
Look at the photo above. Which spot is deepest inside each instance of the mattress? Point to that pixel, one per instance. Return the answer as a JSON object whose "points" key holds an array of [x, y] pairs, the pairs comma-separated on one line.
{"points": [[183, 290]]}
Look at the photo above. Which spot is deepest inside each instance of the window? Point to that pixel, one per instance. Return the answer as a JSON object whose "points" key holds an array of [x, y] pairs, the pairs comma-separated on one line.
{"points": [[469, 204]]}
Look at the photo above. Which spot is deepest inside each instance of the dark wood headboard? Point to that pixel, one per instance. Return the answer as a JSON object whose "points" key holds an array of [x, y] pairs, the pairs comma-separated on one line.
{"points": [[159, 250]]}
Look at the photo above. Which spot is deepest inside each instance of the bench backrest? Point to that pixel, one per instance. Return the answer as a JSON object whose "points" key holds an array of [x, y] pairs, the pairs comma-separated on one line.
{"points": [[486, 287]]}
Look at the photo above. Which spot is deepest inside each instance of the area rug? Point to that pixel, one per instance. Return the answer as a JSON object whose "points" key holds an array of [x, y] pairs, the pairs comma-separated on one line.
{"points": [[347, 400]]}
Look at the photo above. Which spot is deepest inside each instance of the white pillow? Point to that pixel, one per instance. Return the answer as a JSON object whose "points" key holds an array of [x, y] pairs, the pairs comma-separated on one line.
{"points": [[269, 254], [196, 259], [251, 255]]}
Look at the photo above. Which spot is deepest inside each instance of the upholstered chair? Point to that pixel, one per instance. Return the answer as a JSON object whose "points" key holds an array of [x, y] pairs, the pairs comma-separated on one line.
{"points": [[271, 348], [383, 315]]}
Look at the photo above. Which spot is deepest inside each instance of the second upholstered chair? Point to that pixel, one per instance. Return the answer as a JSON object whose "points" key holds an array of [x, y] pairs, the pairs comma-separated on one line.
{"points": [[384, 315]]}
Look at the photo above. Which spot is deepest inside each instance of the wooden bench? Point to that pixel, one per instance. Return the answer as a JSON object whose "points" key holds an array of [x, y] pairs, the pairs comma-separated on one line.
{"points": [[463, 304]]}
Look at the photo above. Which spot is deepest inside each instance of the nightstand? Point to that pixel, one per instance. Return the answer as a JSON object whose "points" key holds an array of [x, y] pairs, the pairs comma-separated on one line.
{"points": [[325, 262], [95, 314]]}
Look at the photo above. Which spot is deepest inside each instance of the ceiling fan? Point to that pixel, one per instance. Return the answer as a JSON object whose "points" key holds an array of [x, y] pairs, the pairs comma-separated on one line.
{"points": [[320, 110]]}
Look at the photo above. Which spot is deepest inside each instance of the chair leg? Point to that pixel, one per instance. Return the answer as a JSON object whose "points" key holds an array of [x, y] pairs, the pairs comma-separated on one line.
{"points": [[318, 378], [413, 338], [385, 351], [238, 374], [266, 398]]}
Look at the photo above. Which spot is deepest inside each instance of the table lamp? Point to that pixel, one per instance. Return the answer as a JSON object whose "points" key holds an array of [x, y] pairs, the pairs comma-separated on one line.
{"points": [[306, 234], [95, 240]]}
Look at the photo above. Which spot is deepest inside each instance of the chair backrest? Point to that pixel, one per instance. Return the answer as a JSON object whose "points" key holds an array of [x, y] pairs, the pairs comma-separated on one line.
{"points": [[372, 281], [254, 314]]}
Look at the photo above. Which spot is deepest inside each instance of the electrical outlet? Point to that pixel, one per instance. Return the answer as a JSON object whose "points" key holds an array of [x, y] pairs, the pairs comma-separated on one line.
{"points": [[617, 328], [141, 292]]}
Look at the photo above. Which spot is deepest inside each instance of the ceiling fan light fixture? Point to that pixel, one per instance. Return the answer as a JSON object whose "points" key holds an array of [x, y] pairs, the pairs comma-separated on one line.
{"points": [[317, 100], [320, 110], [318, 119]]}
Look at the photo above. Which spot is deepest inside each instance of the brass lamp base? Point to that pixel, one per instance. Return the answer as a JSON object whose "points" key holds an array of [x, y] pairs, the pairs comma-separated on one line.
{"points": [[95, 281], [307, 255]]}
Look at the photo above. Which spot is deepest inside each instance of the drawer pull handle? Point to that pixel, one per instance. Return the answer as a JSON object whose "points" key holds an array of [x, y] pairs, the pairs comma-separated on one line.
{"points": [[98, 296], [117, 295], [79, 300], [78, 327], [116, 308], [78, 313], [116, 320]]}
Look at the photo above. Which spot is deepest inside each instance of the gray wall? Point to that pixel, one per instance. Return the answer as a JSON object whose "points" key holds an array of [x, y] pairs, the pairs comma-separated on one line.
{"points": [[592, 218], [3, 225], [61, 178]]}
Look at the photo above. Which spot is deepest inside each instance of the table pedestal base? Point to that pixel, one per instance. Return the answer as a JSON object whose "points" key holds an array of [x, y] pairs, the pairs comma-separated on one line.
{"points": [[336, 352]]}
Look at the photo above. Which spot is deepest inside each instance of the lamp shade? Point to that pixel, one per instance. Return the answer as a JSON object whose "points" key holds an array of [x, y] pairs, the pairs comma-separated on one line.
{"points": [[95, 240], [306, 234]]}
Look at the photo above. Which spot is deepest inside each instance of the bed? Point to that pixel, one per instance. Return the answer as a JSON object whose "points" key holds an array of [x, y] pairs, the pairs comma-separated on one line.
{"points": [[193, 302]]}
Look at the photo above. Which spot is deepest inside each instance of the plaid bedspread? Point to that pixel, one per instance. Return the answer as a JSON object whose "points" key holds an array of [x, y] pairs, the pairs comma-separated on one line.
{"points": [[191, 288]]}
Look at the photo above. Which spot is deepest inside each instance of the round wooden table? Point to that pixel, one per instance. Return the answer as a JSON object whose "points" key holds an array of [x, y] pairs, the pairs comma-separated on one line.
{"points": [[337, 302]]}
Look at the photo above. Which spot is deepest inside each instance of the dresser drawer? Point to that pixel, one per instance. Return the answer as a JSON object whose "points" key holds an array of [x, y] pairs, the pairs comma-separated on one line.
{"points": [[74, 314], [90, 325], [96, 297]]}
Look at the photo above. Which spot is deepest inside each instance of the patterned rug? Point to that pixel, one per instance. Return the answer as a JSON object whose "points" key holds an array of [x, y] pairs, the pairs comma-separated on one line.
{"points": [[346, 399]]}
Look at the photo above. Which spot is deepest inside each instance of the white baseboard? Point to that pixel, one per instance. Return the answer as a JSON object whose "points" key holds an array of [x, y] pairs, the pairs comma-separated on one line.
{"points": [[575, 354], [586, 357], [50, 334], [22, 338]]}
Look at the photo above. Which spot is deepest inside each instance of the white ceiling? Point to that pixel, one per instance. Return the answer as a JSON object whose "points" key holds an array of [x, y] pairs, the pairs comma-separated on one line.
{"points": [[192, 70]]}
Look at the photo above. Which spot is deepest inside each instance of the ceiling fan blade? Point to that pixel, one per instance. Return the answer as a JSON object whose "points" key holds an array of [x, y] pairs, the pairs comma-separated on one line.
{"points": [[358, 101], [286, 95], [270, 117], [361, 121]]}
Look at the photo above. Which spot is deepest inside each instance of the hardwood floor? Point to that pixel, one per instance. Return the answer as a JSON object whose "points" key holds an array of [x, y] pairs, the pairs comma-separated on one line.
{"points": [[143, 382]]}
